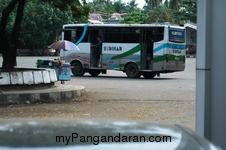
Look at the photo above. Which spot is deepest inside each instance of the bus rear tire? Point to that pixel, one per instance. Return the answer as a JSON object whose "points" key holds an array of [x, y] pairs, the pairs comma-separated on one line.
{"points": [[94, 73], [78, 69], [149, 75], [132, 71]]}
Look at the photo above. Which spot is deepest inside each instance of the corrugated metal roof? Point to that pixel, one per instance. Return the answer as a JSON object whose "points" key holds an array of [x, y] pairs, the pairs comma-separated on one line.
{"points": [[190, 25]]}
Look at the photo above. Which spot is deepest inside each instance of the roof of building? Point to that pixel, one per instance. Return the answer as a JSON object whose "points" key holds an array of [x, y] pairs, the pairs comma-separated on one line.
{"points": [[190, 25]]}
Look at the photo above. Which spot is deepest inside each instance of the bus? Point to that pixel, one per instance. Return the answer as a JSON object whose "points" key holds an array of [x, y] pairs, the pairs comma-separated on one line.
{"points": [[135, 49]]}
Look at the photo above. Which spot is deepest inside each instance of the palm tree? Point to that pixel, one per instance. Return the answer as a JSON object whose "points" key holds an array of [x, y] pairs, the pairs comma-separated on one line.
{"points": [[161, 14], [174, 4], [119, 6], [166, 3], [153, 3], [97, 5], [132, 6]]}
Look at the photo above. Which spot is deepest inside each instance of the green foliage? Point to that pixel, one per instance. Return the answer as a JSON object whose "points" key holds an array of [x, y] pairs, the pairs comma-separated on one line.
{"points": [[104, 7], [78, 8], [12, 16], [174, 4], [107, 7], [188, 11], [135, 17], [42, 24], [42, 21], [183, 10], [161, 14], [151, 4], [132, 6], [119, 6]]}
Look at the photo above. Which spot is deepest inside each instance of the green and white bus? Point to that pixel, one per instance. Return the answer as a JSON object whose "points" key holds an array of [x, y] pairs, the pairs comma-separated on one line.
{"points": [[136, 49]]}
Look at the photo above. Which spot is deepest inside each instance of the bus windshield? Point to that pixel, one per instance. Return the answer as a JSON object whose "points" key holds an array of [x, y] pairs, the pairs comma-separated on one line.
{"points": [[176, 35]]}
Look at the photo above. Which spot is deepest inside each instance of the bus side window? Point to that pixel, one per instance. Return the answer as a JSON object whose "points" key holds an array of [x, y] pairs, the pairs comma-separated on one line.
{"points": [[159, 37], [67, 35], [130, 35], [73, 36], [112, 35], [159, 34], [79, 34], [70, 35]]}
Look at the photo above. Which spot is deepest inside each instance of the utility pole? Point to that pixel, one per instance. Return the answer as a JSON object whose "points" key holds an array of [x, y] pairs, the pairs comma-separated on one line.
{"points": [[211, 71]]}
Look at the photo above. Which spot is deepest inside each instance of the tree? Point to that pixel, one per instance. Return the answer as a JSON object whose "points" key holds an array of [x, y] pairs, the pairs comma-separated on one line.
{"points": [[119, 6], [161, 14], [166, 3], [131, 6], [174, 4], [135, 17], [153, 3], [188, 11], [99, 6], [103, 7], [42, 25], [9, 41]]}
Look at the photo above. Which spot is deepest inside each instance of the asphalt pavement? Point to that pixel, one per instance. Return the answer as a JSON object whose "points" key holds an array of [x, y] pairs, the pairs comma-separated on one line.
{"points": [[168, 99]]}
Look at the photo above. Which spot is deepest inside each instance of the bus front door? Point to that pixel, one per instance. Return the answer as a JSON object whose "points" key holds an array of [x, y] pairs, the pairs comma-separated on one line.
{"points": [[93, 41], [147, 50], [93, 50]]}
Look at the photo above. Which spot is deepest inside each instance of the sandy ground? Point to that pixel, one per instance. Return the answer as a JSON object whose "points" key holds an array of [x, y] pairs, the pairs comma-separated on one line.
{"points": [[92, 106]]}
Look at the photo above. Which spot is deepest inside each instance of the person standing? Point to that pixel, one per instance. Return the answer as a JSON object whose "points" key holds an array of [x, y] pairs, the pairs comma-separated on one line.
{"points": [[98, 47]]}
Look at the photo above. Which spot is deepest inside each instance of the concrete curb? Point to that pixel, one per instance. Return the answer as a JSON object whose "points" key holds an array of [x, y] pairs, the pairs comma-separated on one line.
{"points": [[56, 94], [28, 76]]}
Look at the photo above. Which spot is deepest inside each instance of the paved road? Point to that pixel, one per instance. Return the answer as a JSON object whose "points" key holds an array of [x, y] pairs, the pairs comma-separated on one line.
{"points": [[169, 98], [174, 86], [116, 86]]}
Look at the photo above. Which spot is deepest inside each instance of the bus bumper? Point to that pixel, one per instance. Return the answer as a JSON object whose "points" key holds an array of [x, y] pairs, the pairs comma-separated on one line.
{"points": [[175, 66]]}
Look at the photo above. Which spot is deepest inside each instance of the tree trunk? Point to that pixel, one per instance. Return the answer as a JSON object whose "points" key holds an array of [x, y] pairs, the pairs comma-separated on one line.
{"points": [[8, 45], [9, 58]]}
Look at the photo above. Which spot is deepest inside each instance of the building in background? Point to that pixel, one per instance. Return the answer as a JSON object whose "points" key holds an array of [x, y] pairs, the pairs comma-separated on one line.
{"points": [[96, 18], [115, 18], [191, 39]]}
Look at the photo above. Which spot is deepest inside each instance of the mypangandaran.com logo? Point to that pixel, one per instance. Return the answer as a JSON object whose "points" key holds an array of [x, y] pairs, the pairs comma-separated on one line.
{"points": [[75, 137]]}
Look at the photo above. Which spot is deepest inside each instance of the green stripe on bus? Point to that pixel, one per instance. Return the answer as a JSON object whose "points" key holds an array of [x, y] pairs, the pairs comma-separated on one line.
{"points": [[158, 59], [178, 58], [138, 63], [130, 52]]}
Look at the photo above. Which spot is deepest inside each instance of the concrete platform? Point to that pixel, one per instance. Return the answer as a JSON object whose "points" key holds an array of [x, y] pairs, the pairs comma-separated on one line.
{"points": [[28, 76], [60, 92]]}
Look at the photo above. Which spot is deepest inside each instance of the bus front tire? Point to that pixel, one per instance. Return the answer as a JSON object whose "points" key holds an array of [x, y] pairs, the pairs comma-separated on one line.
{"points": [[149, 75], [94, 73], [78, 69], [132, 71]]}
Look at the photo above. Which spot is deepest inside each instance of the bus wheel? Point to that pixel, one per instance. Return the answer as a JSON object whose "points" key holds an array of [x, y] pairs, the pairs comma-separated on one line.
{"points": [[132, 71], [149, 75], [94, 73], [78, 69]]}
